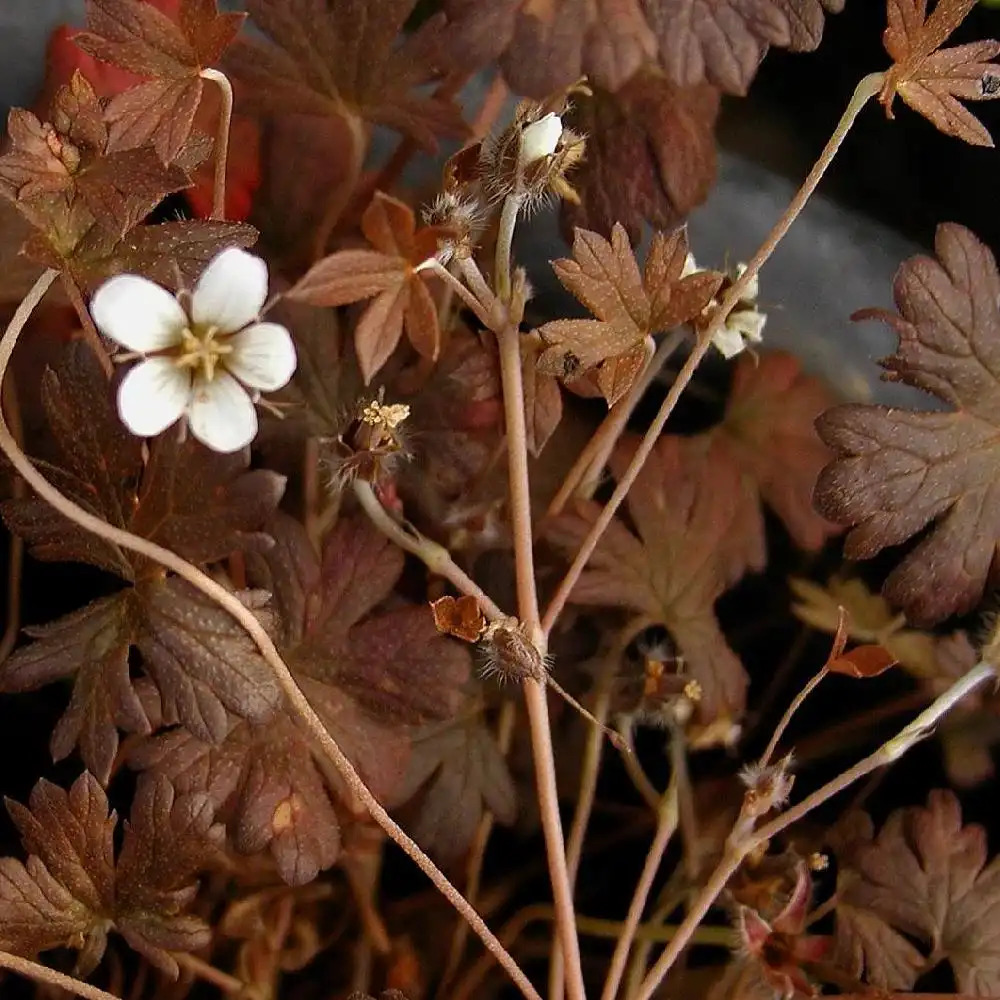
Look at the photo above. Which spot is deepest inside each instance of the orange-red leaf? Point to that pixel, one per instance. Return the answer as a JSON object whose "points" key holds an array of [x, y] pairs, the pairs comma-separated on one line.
{"points": [[862, 661]]}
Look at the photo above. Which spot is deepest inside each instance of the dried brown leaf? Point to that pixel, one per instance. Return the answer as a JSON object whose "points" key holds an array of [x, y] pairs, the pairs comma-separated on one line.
{"points": [[72, 890], [337, 58], [629, 306], [724, 41], [932, 80], [900, 470], [923, 876], [671, 572], [545, 47], [388, 276], [650, 154]]}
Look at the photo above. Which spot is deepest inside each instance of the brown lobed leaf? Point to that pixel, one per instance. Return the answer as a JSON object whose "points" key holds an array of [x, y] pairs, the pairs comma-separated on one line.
{"points": [[723, 41], [767, 433], [370, 676], [456, 773], [629, 306], [545, 47], [388, 276], [672, 571], [931, 80], [344, 58], [72, 890], [650, 154], [141, 38], [71, 183], [923, 877], [202, 506], [900, 470], [459, 616]]}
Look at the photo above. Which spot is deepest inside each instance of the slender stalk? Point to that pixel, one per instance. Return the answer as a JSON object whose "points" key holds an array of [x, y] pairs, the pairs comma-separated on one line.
{"points": [[589, 772], [666, 825], [209, 973], [297, 701], [433, 264], [582, 479], [789, 712], [865, 90], [475, 280], [87, 323], [534, 692], [221, 140], [740, 846], [505, 241], [435, 557], [43, 974]]}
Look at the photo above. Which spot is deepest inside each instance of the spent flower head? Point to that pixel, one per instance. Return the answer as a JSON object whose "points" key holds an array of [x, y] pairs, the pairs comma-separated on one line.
{"points": [[205, 356]]}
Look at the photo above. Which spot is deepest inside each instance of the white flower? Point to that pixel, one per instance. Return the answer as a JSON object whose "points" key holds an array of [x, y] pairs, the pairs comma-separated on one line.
{"points": [[743, 326], [540, 138], [209, 361]]}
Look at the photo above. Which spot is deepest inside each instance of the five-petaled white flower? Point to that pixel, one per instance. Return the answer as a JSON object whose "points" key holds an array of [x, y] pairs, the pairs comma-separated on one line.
{"points": [[540, 138], [205, 355]]}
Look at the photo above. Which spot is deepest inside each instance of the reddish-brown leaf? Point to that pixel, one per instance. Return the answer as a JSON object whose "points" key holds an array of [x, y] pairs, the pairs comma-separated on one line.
{"points": [[924, 876], [767, 433], [671, 572], [650, 154], [723, 41], [337, 57], [140, 38], [862, 661], [459, 616], [388, 276], [932, 80], [72, 890], [629, 306], [456, 773], [545, 47], [370, 676], [900, 470]]}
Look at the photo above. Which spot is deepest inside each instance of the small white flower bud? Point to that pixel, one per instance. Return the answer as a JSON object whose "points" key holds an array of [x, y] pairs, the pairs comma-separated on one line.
{"points": [[540, 138]]}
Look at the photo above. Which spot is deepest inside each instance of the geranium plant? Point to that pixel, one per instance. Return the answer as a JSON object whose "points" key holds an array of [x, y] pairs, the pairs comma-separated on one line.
{"points": [[365, 550]]}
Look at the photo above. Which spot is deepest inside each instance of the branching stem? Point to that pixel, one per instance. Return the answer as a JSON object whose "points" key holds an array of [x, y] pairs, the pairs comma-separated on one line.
{"points": [[43, 974], [742, 844], [297, 701], [865, 90]]}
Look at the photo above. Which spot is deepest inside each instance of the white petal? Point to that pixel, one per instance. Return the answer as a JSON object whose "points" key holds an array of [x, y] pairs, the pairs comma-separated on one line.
{"points": [[728, 341], [137, 313], [221, 414], [231, 291], [540, 138], [153, 395], [263, 356], [749, 322], [752, 290]]}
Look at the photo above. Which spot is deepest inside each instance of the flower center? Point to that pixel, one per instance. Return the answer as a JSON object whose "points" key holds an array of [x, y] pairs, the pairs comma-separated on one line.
{"points": [[202, 351]]}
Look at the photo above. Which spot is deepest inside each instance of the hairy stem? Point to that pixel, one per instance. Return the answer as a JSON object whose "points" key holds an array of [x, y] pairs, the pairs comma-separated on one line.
{"points": [[505, 242], [435, 557], [742, 844], [43, 974], [470, 299], [666, 825], [589, 771], [865, 90], [201, 969], [221, 140], [534, 692], [297, 701], [787, 717]]}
